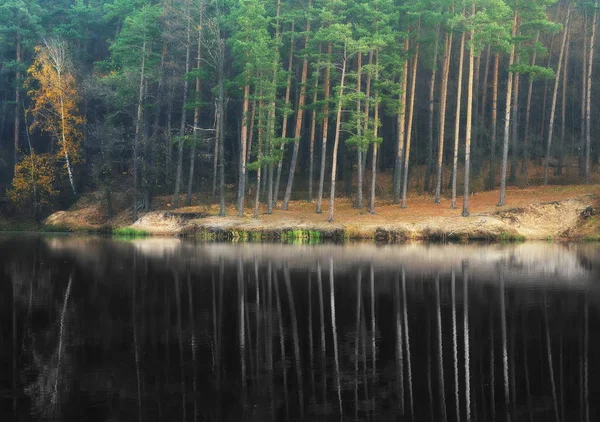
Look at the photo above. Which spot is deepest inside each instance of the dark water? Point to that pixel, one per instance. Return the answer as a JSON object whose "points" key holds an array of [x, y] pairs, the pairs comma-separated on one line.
{"points": [[160, 329]]}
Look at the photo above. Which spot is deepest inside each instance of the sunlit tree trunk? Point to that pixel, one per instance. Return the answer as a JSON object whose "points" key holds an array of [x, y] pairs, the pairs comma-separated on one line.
{"points": [[563, 107], [430, 108], [507, 111], [555, 95], [527, 139], [138, 130], [443, 104], [492, 173], [583, 97], [469, 127], [397, 184], [515, 127], [299, 118], [411, 114], [588, 99], [284, 123], [241, 193], [336, 140], [360, 155], [457, 121], [325, 128], [313, 129]]}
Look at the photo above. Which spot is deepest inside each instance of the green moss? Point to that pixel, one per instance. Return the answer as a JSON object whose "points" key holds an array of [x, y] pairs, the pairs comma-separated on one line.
{"points": [[129, 232]]}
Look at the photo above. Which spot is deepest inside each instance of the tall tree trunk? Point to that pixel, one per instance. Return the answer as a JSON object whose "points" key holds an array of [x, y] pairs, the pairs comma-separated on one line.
{"points": [[465, 211], [138, 130], [336, 141], [313, 129], [241, 193], [180, 142], [443, 103], [492, 173], [221, 123], [484, 89], [288, 90], [375, 143], [17, 127], [397, 186], [299, 118], [589, 95], [528, 114], [360, 155], [563, 107], [555, 95], [272, 109], [457, 120], [583, 97], [411, 114], [325, 128], [515, 127], [196, 110], [509, 87], [431, 104], [261, 139]]}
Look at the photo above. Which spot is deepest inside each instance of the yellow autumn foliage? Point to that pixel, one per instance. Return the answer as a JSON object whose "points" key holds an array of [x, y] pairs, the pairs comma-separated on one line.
{"points": [[53, 90], [33, 183]]}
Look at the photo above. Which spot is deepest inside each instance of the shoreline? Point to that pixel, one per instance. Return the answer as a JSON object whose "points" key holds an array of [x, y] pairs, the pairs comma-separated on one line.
{"points": [[539, 213]]}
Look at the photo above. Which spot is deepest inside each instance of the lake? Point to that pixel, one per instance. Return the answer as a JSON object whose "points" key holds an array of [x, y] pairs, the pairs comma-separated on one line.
{"points": [[100, 329]]}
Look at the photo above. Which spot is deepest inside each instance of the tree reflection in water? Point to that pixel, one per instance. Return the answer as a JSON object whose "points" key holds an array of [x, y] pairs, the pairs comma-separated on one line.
{"points": [[111, 330]]}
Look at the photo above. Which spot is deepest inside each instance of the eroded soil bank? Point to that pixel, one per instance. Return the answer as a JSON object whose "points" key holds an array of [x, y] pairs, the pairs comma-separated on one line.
{"points": [[550, 212]]}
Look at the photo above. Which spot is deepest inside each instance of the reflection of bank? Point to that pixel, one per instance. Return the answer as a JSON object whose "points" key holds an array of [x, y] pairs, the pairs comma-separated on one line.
{"points": [[563, 265]]}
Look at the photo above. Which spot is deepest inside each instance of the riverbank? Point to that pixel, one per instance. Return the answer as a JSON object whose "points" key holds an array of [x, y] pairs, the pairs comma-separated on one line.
{"points": [[545, 212]]}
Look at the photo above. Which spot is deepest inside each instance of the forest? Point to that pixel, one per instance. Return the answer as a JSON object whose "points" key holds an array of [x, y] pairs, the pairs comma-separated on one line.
{"points": [[260, 103]]}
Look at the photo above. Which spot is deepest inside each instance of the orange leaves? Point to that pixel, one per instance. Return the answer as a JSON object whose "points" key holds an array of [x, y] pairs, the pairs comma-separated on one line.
{"points": [[33, 184], [53, 90]]}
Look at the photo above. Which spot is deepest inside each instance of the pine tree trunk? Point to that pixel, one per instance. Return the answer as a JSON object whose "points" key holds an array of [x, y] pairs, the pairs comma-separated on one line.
{"points": [[375, 144], [180, 142], [196, 111], [401, 129], [457, 121], [509, 87], [429, 169], [250, 140], [492, 173], [555, 95], [465, 211], [272, 109], [367, 114], [589, 95], [563, 107], [528, 115], [313, 129], [443, 104], [299, 120], [221, 123], [241, 193], [169, 139], [515, 130], [138, 130], [17, 127], [288, 90], [261, 140], [325, 128], [360, 157], [411, 114], [485, 87], [336, 141], [583, 98]]}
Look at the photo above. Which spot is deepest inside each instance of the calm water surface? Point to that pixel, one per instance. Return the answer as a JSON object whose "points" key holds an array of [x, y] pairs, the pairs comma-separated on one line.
{"points": [[161, 329]]}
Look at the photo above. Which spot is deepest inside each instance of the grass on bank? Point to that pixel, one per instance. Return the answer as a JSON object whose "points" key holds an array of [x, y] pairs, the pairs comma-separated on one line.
{"points": [[129, 232]]}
